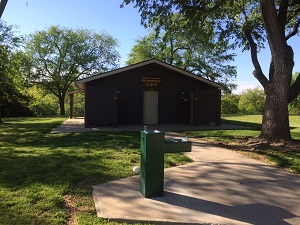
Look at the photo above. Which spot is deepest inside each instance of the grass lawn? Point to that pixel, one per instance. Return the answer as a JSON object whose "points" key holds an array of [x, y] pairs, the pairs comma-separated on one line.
{"points": [[46, 178], [283, 156]]}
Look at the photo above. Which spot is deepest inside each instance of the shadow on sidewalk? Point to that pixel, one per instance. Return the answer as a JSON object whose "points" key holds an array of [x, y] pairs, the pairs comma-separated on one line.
{"points": [[256, 213]]}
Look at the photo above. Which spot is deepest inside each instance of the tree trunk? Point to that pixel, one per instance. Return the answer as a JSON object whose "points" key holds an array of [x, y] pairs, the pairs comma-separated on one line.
{"points": [[62, 106], [275, 123], [1, 121]]}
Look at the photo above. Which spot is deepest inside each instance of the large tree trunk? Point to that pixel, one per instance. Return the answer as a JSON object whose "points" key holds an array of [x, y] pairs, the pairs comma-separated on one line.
{"points": [[275, 124], [62, 106]]}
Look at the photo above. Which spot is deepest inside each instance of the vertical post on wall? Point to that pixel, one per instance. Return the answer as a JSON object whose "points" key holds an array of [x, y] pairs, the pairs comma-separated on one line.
{"points": [[196, 107], [71, 106], [191, 107], [115, 107]]}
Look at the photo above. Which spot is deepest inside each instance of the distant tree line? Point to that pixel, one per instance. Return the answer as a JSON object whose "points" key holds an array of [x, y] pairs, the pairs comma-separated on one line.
{"points": [[38, 70], [251, 102]]}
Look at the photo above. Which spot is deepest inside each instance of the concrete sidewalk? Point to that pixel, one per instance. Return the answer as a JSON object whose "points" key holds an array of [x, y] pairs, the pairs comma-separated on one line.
{"points": [[77, 125], [220, 187]]}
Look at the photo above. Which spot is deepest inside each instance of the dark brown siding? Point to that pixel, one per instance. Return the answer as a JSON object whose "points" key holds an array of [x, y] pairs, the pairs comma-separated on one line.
{"points": [[207, 104], [173, 93], [99, 106]]}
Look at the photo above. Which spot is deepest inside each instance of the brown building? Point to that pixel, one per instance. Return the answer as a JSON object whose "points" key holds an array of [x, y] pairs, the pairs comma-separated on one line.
{"points": [[150, 92]]}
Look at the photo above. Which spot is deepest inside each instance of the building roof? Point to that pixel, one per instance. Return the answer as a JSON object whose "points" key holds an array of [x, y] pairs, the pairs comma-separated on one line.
{"points": [[81, 83]]}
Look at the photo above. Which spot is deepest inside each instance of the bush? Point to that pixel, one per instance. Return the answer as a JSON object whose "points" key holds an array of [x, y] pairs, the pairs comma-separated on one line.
{"points": [[252, 101], [44, 103], [229, 104]]}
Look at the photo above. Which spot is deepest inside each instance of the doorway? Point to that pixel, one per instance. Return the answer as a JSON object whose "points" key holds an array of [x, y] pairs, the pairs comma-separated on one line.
{"points": [[150, 114]]}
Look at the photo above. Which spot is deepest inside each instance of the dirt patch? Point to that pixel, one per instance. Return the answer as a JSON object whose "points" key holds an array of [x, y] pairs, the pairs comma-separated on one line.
{"points": [[86, 183], [80, 203], [70, 202], [254, 144]]}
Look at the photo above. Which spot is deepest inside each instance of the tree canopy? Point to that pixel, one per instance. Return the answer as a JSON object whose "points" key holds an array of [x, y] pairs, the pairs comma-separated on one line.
{"points": [[249, 24], [252, 101], [13, 102], [58, 56], [193, 51]]}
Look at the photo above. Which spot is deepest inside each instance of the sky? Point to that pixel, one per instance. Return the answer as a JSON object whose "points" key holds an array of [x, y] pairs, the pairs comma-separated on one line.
{"points": [[121, 23]]}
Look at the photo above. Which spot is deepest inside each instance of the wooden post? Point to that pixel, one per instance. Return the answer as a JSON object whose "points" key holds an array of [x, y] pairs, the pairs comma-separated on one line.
{"points": [[115, 107], [196, 107], [71, 106]]}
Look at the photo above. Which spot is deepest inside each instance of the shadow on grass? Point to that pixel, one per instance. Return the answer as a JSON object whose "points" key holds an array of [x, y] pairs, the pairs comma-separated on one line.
{"points": [[37, 169], [256, 126], [24, 169], [53, 159], [32, 186], [284, 159]]}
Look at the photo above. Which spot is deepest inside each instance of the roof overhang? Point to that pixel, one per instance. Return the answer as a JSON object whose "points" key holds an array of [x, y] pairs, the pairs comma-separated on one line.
{"points": [[81, 83], [74, 92]]}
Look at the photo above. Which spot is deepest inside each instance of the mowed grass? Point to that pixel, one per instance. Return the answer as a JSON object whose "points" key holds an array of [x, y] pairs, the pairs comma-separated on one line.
{"points": [[284, 156], [46, 178], [255, 121]]}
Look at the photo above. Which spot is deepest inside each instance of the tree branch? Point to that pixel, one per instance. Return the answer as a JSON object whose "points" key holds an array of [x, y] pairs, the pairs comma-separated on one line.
{"points": [[203, 8], [181, 48], [294, 31], [282, 15], [59, 58], [2, 6], [295, 89], [46, 87], [275, 32], [257, 73], [294, 2], [46, 67], [271, 70]]}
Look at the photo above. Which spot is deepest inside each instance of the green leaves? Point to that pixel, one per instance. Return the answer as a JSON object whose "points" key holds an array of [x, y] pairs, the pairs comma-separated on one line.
{"points": [[252, 101], [61, 55], [13, 101], [190, 49]]}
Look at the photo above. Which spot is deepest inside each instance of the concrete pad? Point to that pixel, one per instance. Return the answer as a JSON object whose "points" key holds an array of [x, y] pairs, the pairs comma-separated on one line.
{"points": [[284, 193], [77, 125], [236, 166], [206, 152], [194, 194], [220, 187]]}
